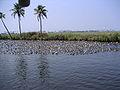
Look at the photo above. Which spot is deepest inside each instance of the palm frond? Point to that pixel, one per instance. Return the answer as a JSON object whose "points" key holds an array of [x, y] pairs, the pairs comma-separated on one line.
{"points": [[38, 17], [3, 15], [13, 14], [44, 14], [22, 12]]}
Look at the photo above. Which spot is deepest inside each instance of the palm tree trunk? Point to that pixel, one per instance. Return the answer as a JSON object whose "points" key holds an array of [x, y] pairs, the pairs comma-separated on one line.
{"points": [[40, 25], [6, 29], [19, 26]]}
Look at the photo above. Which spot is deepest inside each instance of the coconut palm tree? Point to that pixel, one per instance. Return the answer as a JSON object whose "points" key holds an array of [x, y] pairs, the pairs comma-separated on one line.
{"points": [[19, 11], [40, 11], [2, 16]]}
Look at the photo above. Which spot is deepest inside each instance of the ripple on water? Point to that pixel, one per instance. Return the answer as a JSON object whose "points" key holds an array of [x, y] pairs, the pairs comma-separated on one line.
{"points": [[60, 72]]}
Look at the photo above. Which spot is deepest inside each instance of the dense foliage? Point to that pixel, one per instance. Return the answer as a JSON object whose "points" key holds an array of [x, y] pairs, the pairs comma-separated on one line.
{"points": [[68, 36]]}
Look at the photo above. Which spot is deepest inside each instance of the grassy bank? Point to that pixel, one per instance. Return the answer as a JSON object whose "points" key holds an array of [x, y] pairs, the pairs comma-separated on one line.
{"points": [[68, 36]]}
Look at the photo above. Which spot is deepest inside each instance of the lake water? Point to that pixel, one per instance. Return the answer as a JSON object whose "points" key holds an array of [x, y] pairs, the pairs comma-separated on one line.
{"points": [[99, 71]]}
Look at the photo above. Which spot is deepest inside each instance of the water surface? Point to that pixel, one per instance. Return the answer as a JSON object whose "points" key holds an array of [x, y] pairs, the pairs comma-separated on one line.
{"points": [[99, 71]]}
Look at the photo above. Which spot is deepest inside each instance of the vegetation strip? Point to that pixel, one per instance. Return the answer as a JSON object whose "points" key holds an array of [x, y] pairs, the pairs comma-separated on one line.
{"points": [[67, 36]]}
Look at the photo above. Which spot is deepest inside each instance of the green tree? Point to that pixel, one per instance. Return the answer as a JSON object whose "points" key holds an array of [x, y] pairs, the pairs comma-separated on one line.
{"points": [[2, 16], [40, 11], [19, 11]]}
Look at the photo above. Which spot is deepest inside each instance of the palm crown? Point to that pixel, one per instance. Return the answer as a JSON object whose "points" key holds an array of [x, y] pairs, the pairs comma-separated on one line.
{"points": [[18, 10], [2, 15], [41, 11]]}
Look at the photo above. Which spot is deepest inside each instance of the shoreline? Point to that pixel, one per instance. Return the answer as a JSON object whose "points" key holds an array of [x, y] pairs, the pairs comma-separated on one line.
{"points": [[27, 47]]}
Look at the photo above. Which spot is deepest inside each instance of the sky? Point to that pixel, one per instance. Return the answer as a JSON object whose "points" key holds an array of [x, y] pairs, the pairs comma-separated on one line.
{"points": [[63, 15]]}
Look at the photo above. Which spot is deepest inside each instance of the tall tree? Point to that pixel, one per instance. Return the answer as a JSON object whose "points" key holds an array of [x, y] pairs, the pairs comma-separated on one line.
{"points": [[19, 11], [2, 16], [40, 11]]}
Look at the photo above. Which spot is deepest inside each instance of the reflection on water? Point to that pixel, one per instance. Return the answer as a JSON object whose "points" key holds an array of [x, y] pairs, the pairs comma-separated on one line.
{"points": [[43, 68], [60, 72], [21, 67], [21, 71]]}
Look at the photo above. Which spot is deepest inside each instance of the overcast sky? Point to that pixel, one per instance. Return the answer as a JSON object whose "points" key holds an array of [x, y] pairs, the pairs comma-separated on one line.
{"points": [[73, 15]]}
